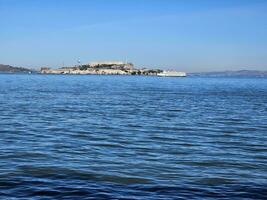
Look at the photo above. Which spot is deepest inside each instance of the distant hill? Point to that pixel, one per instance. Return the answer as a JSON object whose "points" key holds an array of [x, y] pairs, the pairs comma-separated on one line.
{"points": [[240, 73], [11, 69]]}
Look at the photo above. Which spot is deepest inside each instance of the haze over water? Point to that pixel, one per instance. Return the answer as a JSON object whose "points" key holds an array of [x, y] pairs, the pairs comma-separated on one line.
{"points": [[127, 137]]}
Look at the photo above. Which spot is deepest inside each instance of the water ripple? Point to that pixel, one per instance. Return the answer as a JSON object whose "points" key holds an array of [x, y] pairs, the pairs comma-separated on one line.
{"points": [[125, 137]]}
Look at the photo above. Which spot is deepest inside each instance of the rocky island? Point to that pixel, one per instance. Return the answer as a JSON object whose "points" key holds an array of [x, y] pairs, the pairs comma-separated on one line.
{"points": [[103, 68], [95, 68]]}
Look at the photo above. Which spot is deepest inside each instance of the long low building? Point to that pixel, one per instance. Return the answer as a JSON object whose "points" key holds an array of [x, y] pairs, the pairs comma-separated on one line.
{"points": [[109, 65]]}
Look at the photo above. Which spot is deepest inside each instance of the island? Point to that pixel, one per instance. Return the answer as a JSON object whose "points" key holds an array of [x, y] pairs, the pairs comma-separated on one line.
{"points": [[110, 68], [124, 68]]}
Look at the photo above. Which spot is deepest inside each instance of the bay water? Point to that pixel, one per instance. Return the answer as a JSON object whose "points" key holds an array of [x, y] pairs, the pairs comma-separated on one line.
{"points": [[132, 137]]}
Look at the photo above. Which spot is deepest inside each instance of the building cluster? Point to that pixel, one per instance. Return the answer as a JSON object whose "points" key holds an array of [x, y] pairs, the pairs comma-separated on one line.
{"points": [[111, 65]]}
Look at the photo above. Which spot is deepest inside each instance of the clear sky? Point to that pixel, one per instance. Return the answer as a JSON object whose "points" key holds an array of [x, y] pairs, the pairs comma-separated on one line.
{"points": [[188, 35]]}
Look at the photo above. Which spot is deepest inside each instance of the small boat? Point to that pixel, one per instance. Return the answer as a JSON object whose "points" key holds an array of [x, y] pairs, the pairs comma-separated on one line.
{"points": [[172, 74]]}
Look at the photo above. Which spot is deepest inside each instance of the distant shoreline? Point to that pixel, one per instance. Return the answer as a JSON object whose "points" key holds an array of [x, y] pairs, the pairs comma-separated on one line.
{"points": [[238, 73], [7, 69], [188, 76]]}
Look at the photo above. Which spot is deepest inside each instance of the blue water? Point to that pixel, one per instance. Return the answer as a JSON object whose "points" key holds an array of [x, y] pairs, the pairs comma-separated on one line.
{"points": [[132, 137]]}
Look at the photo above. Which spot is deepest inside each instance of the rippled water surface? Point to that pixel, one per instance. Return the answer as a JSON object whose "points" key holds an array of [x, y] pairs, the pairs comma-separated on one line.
{"points": [[127, 137]]}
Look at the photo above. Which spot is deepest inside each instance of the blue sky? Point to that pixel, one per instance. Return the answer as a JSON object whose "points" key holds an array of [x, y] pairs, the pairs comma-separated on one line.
{"points": [[188, 35]]}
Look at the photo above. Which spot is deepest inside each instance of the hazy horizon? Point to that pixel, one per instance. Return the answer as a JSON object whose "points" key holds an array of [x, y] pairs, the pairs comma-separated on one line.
{"points": [[191, 36]]}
